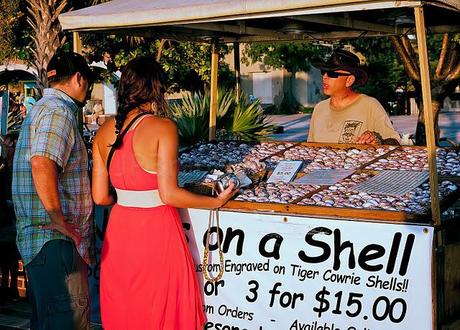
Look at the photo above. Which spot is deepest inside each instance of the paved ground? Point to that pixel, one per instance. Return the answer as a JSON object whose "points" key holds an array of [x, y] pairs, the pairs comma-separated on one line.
{"points": [[296, 126], [16, 315]]}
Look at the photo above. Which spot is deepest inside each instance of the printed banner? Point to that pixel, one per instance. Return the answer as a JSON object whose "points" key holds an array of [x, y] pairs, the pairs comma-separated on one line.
{"points": [[284, 272]]}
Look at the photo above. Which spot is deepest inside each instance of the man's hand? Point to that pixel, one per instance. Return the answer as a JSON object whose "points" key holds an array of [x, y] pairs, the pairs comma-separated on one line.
{"points": [[369, 137], [65, 229], [45, 176]]}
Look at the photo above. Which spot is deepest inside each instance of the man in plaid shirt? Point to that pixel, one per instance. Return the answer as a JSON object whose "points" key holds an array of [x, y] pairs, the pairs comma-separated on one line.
{"points": [[52, 199]]}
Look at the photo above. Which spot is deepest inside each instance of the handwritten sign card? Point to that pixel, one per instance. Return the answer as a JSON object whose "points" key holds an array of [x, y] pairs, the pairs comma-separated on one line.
{"points": [[285, 171]]}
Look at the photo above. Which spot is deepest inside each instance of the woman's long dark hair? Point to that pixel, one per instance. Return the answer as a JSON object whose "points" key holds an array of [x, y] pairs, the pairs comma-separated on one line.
{"points": [[142, 81]]}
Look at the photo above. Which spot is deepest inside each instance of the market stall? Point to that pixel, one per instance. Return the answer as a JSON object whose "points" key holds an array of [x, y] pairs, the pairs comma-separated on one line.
{"points": [[337, 254]]}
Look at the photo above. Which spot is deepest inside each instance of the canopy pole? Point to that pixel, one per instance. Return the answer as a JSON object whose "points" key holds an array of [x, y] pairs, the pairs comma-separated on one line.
{"points": [[77, 48], [428, 113], [77, 44], [236, 62], [431, 147], [213, 91]]}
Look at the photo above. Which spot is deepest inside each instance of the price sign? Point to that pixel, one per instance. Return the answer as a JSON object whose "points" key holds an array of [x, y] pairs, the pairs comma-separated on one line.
{"points": [[285, 171], [307, 273], [323, 177], [393, 182]]}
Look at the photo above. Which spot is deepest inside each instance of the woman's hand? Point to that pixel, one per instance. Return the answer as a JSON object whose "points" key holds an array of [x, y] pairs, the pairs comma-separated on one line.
{"points": [[228, 193]]}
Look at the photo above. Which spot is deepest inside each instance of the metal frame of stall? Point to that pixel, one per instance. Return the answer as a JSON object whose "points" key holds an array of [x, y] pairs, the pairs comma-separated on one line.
{"points": [[212, 28]]}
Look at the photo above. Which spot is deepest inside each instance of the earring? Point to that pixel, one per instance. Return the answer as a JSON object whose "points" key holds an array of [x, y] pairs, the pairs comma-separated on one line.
{"points": [[153, 107]]}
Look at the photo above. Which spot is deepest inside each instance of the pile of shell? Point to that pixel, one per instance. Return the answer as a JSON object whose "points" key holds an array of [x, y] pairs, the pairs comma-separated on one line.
{"points": [[405, 159], [240, 155], [328, 157], [342, 194], [214, 156], [279, 192], [448, 162], [252, 163], [415, 159]]}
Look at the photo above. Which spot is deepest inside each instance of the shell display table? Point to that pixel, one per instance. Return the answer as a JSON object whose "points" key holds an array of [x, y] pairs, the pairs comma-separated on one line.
{"points": [[340, 198]]}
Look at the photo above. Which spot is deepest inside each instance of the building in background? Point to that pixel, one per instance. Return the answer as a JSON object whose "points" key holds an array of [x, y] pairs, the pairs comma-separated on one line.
{"points": [[271, 85]]}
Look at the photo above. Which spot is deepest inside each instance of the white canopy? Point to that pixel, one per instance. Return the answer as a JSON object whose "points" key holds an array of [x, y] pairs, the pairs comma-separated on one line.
{"points": [[122, 14]]}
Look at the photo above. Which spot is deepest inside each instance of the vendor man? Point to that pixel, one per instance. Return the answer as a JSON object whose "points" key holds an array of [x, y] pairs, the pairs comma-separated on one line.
{"points": [[348, 116]]}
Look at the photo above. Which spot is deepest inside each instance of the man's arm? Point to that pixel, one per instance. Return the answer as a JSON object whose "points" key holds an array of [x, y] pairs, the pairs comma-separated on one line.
{"points": [[45, 176], [371, 137], [311, 128], [391, 142]]}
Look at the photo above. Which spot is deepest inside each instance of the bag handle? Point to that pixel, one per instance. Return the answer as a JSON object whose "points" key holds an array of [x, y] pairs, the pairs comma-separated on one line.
{"points": [[206, 274]]}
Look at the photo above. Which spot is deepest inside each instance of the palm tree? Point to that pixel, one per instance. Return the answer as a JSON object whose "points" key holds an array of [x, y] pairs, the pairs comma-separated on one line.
{"points": [[47, 35]]}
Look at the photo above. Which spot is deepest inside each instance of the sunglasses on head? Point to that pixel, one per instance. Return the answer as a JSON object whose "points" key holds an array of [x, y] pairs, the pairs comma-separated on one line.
{"points": [[334, 74]]}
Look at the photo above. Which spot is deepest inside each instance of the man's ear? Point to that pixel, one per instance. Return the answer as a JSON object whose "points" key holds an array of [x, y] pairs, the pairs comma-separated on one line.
{"points": [[79, 78], [350, 81]]}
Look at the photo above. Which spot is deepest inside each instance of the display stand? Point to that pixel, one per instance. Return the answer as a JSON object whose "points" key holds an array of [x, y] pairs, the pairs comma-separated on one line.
{"points": [[436, 246]]}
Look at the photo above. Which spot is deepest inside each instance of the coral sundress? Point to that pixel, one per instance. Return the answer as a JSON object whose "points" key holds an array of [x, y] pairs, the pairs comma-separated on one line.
{"points": [[148, 278]]}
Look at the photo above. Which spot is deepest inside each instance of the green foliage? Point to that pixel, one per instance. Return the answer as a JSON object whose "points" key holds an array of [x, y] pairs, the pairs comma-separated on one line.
{"points": [[307, 110], [187, 64], [292, 56], [385, 72], [236, 119], [8, 20], [248, 121], [190, 118], [191, 115], [14, 119]]}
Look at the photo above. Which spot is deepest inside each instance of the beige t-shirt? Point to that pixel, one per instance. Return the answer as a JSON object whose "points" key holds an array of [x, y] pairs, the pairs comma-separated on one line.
{"points": [[344, 125]]}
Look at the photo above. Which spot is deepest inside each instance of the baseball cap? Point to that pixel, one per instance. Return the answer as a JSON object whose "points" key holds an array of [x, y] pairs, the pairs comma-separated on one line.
{"points": [[66, 64]]}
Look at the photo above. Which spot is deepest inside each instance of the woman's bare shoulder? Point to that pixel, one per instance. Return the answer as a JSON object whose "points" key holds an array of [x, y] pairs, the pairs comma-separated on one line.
{"points": [[106, 131], [160, 124]]}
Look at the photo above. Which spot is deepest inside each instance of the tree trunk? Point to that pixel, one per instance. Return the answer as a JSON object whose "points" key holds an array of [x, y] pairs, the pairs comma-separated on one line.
{"points": [[445, 78], [160, 49], [420, 132]]}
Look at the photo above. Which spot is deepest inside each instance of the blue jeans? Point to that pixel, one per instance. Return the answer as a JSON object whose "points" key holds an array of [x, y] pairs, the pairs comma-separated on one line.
{"points": [[58, 284]]}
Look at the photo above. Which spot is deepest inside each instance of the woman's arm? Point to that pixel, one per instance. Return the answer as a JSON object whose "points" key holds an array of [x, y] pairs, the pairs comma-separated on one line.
{"points": [[100, 179], [170, 192]]}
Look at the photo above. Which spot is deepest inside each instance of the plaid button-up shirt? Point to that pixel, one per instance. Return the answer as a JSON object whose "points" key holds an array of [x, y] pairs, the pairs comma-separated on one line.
{"points": [[50, 130]]}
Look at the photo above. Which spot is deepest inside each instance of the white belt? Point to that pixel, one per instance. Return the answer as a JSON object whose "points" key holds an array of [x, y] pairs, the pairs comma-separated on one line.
{"points": [[141, 198]]}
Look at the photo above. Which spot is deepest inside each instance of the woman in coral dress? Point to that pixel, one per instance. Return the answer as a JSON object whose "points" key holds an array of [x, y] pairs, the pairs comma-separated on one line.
{"points": [[148, 279]]}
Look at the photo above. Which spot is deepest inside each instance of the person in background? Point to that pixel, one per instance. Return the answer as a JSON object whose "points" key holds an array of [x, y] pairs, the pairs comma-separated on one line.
{"points": [[148, 280], [52, 199], [29, 101], [348, 116], [107, 60]]}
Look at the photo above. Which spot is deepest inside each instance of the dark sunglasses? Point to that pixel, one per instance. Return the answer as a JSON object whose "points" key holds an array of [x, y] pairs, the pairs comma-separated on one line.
{"points": [[334, 74]]}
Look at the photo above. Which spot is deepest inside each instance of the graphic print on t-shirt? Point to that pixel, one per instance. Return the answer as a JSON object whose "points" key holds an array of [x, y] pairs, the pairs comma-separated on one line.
{"points": [[350, 131]]}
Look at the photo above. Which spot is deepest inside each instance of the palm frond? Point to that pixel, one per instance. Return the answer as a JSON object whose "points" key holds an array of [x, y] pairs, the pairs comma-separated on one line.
{"points": [[236, 119]]}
